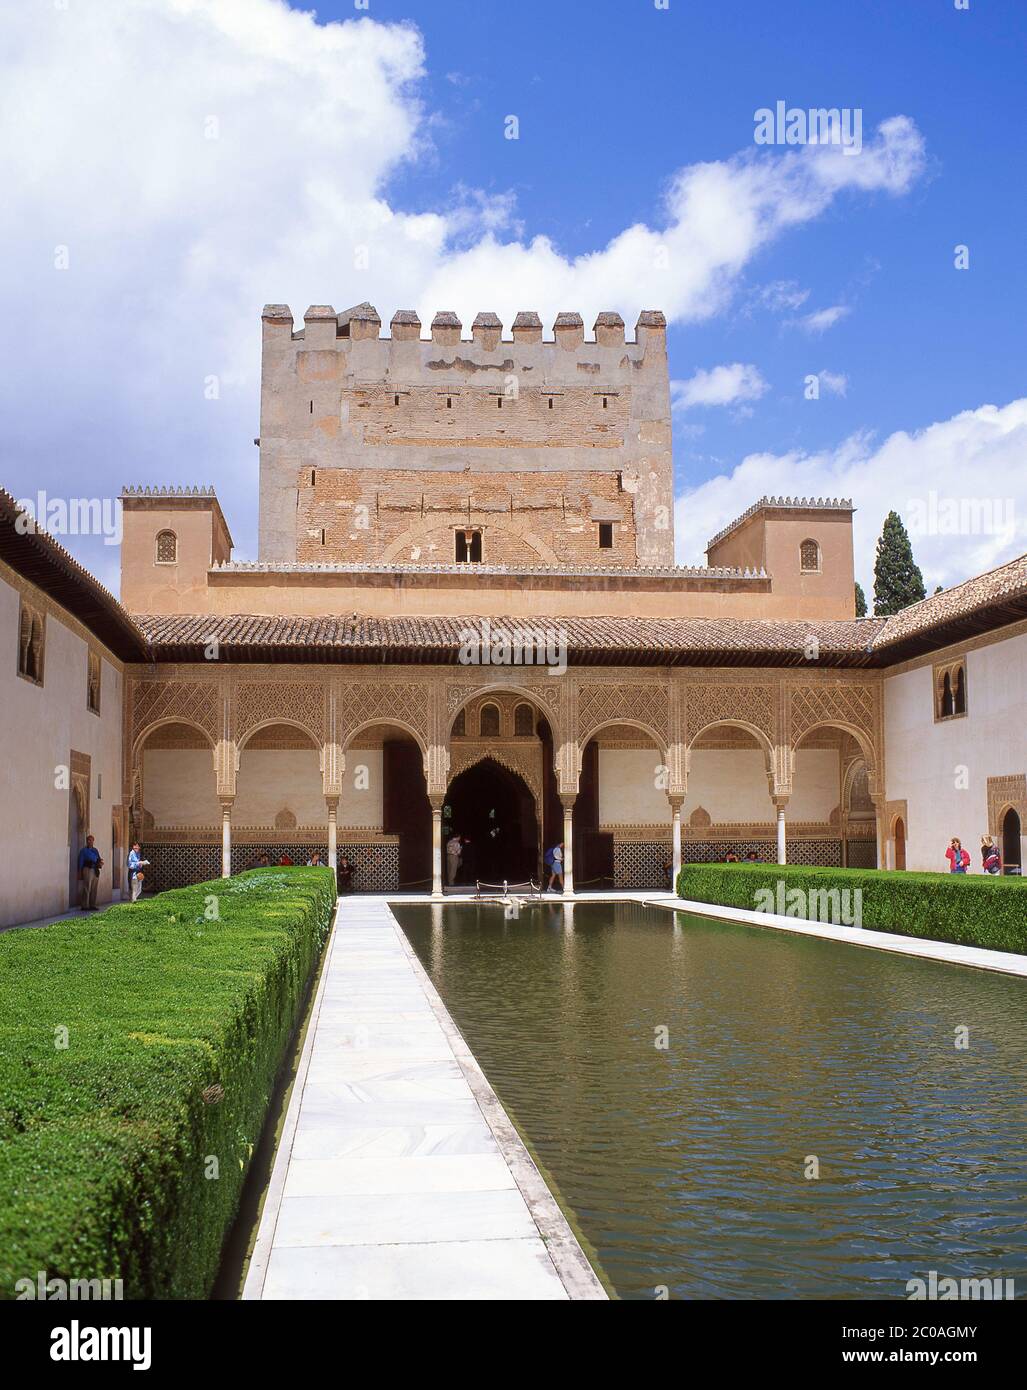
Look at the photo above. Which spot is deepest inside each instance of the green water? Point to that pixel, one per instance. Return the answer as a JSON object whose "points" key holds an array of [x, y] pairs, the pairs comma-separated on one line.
{"points": [[685, 1167]]}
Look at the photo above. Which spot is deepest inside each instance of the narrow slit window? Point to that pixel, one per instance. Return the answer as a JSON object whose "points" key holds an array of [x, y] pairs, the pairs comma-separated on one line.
{"points": [[606, 535], [550, 402], [449, 402], [324, 536], [395, 400]]}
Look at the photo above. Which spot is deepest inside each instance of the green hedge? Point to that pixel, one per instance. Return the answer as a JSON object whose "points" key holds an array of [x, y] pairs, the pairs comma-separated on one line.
{"points": [[106, 1145], [971, 909]]}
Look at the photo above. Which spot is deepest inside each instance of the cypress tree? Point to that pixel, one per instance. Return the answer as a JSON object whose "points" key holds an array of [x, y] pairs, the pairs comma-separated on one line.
{"points": [[861, 601], [897, 578]]}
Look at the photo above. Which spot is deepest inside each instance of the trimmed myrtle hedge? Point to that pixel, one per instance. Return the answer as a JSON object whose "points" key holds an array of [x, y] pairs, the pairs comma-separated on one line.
{"points": [[971, 909], [138, 1054]]}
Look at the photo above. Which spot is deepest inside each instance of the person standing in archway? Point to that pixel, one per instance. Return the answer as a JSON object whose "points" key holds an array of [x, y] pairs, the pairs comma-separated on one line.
{"points": [[454, 846], [468, 860], [89, 866], [554, 860]]}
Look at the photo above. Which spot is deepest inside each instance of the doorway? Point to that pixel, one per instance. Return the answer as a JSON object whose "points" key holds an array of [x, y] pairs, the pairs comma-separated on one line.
{"points": [[493, 807], [1011, 832]]}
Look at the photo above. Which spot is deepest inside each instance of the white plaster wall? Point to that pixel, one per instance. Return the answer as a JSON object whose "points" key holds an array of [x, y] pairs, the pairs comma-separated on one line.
{"points": [[729, 783], [39, 728], [922, 758], [361, 803], [180, 788], [270, 780]]}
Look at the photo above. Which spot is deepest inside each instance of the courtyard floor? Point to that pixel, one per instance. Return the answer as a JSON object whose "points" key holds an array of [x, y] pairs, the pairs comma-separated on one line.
{"points": [[399, 1175]]}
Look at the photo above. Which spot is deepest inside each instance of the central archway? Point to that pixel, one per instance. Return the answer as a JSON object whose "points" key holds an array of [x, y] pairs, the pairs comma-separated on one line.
{"points": [[492, 806]]}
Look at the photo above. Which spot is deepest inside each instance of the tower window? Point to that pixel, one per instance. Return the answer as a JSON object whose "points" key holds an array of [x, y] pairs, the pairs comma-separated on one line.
{"points": [[499, 402], [809, 557], [395, 400], [167, 548], [31, 642], [606, 535], [605, 403], [449, 402], [93, 684], [468, 547], [550, 402], [324, 536]]}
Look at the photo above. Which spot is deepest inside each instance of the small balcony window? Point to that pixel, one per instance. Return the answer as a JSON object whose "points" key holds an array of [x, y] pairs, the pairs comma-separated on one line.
{"points": [[468, 547]]}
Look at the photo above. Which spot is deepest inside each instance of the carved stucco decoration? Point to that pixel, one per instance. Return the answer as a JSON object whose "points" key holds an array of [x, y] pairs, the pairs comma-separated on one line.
{"points": [[194, 702], [406, 703], [523, 758], [718, 702], [644, 704], [291, 702]]}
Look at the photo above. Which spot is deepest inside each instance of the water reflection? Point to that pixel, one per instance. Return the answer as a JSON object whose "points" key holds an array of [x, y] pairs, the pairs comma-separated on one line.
{"points": [[686, 1166]]}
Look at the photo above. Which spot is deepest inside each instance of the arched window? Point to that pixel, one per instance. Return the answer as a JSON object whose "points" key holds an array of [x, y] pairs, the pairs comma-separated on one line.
{"points": [[167, 548], [93, 684], [31, 644], [460, 724], [959, 694], [809, 557], [524, 721], [948, 706], [488, 721]]}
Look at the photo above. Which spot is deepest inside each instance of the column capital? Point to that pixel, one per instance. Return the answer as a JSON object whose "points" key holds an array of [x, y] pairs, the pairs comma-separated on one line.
{"points": [[781, 800], [567, 800], [676, 797], [332, 802], [227, 802], [437, 800]]}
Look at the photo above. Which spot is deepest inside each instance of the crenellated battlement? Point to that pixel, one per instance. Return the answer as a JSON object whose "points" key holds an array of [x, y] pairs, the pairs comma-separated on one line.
{"points": [[446, 329]]}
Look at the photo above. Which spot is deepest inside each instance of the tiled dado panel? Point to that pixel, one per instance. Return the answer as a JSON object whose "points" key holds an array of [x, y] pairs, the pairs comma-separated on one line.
{"points": [[177, 866], [826, 854], [640, 864]]}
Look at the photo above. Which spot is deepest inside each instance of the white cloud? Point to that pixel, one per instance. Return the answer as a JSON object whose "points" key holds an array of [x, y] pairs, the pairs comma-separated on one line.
{"points": [[823, 319], [726, 385], [198, 158], [834, 383], [782, 294], [959, 485]]}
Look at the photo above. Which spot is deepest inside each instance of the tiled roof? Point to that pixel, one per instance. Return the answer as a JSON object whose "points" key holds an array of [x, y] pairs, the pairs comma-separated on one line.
{"points": [[43, 561], [648, 641], [996, 588], [805, 504]]}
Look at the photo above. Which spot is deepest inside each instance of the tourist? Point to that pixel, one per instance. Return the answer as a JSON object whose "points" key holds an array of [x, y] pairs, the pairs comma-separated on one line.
{"points": [[263, 862], [453, 847], [136, 864], [285, 862], [554, 858], [314, 862], [345, 875], [468, 860], [752, 857], [89, 866], [732, 857], [958, 857], [991, 860]]}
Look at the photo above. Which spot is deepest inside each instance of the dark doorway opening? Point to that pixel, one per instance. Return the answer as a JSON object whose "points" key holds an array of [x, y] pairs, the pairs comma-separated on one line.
{"points": [[1011, 842], [494, 808], [406, 811], [900, 844]]}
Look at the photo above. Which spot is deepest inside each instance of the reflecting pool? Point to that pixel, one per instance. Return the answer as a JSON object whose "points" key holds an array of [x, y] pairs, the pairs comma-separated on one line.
{"points": [[682, 1081]]}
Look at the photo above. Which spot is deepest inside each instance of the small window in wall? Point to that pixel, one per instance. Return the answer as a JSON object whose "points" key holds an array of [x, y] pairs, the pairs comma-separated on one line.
{"points": [[468, 547], [809, 557], [950, 690], [524, 721], [31, 644], [606, 535], [167, 548], [460, 724], [93, 684], [488, 721]]}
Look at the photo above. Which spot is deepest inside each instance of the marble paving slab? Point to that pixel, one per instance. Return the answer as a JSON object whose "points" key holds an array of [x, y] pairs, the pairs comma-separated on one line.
{"points": [[398, 1175]]}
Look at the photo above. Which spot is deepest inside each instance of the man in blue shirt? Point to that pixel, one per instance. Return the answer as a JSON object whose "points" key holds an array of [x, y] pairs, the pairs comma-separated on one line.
{"points": [[89, 866], [135, 870]]}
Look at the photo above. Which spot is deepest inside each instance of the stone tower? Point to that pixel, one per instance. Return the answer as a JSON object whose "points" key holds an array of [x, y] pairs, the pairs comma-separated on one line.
{"points": [[518, 451]]}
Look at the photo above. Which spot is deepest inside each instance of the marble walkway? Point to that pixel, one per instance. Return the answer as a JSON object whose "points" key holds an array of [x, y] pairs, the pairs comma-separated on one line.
{"points": [[398, 1174]]}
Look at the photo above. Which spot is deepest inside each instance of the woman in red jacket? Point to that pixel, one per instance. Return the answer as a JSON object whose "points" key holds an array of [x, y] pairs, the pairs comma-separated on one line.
{"points": [[958, 857]]}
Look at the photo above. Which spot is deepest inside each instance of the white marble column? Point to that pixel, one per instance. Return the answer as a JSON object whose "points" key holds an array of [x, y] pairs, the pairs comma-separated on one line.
{"points": [[568, 843], [226, 836], [675, 832], [332, 802], [782, 845], [436, 850]]}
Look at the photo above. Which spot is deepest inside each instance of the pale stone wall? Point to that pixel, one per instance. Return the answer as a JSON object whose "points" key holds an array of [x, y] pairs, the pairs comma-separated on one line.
{"points": [[485, 407], [730, 784], [42, 725], [180, 789], [941, 769]]}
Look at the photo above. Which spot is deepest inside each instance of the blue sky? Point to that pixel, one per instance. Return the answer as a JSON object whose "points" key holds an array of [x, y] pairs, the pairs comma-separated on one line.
{"points": [[394, 122]]}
